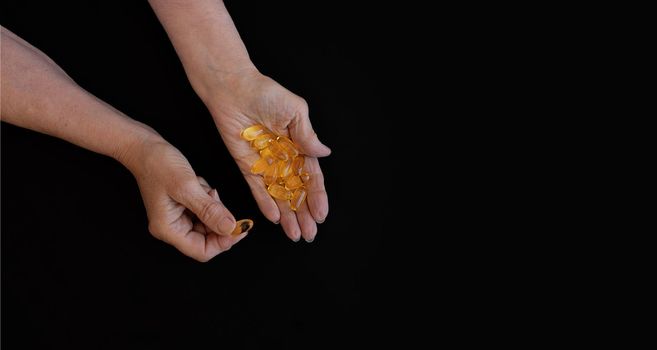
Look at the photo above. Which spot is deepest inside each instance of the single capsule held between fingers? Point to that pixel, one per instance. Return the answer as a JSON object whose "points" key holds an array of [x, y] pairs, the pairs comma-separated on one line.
{"points": [[252, 132], [305, 177], [297, 198], [271, 174], [289, 146], [242, 226], [277, 150], [297, 165], [293, 182], [259, 166], [279, 192]]}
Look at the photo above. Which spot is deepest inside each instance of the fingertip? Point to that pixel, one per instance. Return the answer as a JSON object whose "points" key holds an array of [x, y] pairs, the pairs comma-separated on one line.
{"points": [[274, 217], [320, 214], [326, 149], [317, 149], [226, 225]]}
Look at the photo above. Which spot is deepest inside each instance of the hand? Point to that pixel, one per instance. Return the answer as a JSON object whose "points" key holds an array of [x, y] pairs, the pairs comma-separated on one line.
{"points": [[182, 208], [239, 100]]}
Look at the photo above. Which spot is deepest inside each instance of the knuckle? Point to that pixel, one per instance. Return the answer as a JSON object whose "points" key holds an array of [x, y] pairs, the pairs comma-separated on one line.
{"points": [[302, 106], [203, 258], [202, 181], [209, 210], [155, 228], [187, 186]]}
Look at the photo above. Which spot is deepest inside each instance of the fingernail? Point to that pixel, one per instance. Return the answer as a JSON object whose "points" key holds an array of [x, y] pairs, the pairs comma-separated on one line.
{"points": [[242, 226], [227, 225], [296, 239], [310, 240], [321, 221]]}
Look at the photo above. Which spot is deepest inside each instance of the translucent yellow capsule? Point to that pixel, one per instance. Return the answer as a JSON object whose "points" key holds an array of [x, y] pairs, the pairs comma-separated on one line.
{"points": [[293, 182], [277, 150], [242, 226], [289, 146], [279, 192], [271, 174], [259, 166], [252, 132], [297, 165], [284, 168], [297, 198], [267, 155], [305, 177], [262, 141]]}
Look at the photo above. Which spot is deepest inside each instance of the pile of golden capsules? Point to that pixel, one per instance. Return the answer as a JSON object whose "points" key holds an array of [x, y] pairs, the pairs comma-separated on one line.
{"points": [[280, 164]]}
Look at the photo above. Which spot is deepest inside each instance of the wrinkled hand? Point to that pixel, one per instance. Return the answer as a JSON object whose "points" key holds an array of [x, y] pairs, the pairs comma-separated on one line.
{"points": [[246, 98], [182, 208]]}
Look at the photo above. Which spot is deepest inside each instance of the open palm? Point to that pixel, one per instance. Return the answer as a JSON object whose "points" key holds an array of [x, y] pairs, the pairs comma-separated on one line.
{"points": [[253, 98]]}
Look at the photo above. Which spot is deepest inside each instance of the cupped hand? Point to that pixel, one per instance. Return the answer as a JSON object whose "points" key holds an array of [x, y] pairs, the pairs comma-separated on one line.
{"points": [[182, 208], [242, 99]]}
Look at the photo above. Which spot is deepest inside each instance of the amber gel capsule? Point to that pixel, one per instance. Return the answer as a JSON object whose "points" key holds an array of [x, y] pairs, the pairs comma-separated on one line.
{"points": [[271, 174], [267, 155], [293, 182], [289, 146], [252, 132], [277, 150], [297, 198], [259, 166], [242, 226], [262, 141], [305, 177], [279, 192], [284, 168], [297, 165]]}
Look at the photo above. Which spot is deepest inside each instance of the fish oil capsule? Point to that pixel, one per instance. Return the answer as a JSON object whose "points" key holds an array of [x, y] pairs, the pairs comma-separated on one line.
{"points": [[262, 141], [305, 177], [271, 174], [297, 198], [279, 192], [277, 150], [268, 156], [289, 146], [293, 182], [284, 168], [297, 165], [259, 166], [252, 132], [242, 226]]}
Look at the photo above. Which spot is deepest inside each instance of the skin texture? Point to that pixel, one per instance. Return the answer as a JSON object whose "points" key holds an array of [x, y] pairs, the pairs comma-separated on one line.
{"points": [[237, 96], [182, 208]]}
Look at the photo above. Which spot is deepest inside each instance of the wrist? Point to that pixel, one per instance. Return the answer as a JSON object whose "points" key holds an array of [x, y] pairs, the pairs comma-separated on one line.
{"points": [[220, 81], [133, 152]]}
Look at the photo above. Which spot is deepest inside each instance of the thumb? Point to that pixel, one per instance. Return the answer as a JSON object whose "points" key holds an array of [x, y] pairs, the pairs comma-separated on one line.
{"points": [[302, 134], [208, 209]]}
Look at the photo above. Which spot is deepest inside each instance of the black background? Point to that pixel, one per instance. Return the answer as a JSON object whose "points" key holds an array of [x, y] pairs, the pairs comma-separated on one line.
{"points": [[79, 268]]}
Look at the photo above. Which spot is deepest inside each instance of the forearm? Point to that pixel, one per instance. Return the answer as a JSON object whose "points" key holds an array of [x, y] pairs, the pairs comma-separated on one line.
{"points": [[205, 39], [38, 95]]}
